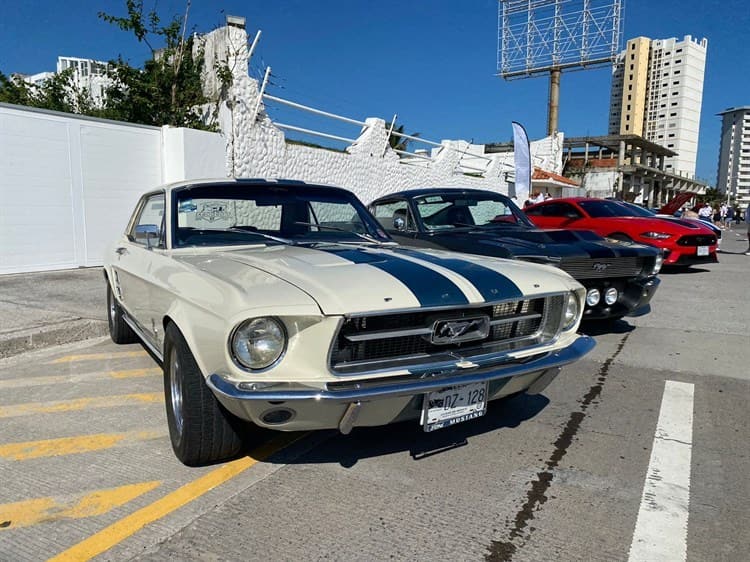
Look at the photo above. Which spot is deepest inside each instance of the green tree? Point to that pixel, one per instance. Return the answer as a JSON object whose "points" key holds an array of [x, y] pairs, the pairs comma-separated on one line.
{"points": [[168, 90], [59, 92], [14, 91]]}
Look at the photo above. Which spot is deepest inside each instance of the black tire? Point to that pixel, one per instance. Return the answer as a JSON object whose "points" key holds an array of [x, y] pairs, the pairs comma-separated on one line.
{"points": [[119, 330], [201, 430]]}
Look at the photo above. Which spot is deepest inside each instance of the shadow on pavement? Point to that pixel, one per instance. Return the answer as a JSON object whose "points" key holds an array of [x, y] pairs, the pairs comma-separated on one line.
{"points": [[601, 327], [680, 269], [366, 442]]}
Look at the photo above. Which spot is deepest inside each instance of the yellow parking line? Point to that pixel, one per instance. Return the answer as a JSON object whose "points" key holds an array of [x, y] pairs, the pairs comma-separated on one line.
{"points": [[73, 445], [80, 404], [23, 382], [42, 510], [98, 356], [129, 525]]}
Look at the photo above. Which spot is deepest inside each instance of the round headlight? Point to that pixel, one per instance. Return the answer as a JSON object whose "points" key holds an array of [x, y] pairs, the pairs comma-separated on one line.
{"points": [[258, 343], [592, 297], [610, 296], [571, 311]]}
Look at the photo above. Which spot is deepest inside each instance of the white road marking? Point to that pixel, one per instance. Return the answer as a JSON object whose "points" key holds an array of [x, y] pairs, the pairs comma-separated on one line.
{"points": [[662, 524]]}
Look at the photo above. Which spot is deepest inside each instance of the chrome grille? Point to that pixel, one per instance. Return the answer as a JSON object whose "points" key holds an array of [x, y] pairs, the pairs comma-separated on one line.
{"points": [[598, 268], [366, 343]]}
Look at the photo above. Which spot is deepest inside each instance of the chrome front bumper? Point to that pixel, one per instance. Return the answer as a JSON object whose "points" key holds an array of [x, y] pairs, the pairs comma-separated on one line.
{"points": [[365, 390]]}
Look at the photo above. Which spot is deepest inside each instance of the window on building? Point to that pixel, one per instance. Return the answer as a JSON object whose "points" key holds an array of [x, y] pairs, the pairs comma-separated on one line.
{"points": [[661, 136], [628, 108], [629, 96], [661, 116], [676, 71], [631, 67], [670, 145], [673, 103], [627, 127], [678, 61], [630, 87], [632, 46], [673, 114], [675, 93], [678, 51], [631, 77], [666, 74]]}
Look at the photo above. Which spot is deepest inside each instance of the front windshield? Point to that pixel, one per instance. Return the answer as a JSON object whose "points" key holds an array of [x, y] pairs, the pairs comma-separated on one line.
{"points": [[600, 209], [240, 214], [446, 211]]}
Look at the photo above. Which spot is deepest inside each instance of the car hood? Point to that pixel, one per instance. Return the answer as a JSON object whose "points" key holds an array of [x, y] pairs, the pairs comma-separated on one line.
{"points": [[348, 279], [676, 203], [555, 244]]}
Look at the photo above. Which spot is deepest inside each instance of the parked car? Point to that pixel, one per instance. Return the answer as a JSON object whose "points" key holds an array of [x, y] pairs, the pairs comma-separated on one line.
{"points": [[663, 213], [620, 278], [683, 244], [286, 305]]}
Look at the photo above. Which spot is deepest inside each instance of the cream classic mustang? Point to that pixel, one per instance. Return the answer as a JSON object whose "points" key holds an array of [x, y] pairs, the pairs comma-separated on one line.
{"points": [[285, 304]]}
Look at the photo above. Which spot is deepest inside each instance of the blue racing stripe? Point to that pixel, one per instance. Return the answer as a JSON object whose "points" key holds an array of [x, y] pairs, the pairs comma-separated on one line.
{"points": [[492, 285], [428, 286]]}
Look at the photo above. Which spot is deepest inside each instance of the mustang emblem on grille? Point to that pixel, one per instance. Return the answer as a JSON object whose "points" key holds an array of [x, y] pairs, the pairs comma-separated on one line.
{"points": [[460, 330], [600, 266]]}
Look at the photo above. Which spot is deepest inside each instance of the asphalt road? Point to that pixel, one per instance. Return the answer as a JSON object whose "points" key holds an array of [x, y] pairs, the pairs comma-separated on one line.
{"points": [[86, 467]]}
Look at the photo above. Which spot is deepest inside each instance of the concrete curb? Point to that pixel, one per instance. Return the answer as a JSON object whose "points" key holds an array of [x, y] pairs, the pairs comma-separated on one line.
{"points": [[52, 334]]}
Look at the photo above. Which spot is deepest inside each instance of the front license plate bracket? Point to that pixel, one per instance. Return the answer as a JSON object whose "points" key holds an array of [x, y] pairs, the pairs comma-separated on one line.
{"points": [[453, 404]]}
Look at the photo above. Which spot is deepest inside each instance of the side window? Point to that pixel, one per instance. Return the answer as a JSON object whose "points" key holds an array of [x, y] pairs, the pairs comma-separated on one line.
{"points": [[389, 212], [568, 211], [537, 211], [150, 223]]}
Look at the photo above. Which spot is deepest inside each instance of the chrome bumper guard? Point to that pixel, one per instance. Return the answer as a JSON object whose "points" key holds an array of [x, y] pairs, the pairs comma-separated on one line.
{"points": [[427, 382]]}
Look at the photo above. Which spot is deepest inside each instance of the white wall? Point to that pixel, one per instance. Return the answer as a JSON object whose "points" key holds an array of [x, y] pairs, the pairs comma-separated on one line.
{"points": [[68, 184], [369, 168]]}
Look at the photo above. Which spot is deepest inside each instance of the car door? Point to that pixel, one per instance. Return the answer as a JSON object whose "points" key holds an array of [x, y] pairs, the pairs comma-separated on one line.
{"points": [[133, 256]]}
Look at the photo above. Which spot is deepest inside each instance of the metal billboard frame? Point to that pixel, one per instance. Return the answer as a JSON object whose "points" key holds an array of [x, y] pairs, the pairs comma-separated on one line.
{"points": [[546, 36], [536, 36]]}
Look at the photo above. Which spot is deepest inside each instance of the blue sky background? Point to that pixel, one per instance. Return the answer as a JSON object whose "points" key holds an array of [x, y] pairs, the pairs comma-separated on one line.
{"points": [[431, 62]]}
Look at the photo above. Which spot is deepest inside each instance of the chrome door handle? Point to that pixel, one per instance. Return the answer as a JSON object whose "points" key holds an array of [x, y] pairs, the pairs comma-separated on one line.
{"points": [[121, 251]]}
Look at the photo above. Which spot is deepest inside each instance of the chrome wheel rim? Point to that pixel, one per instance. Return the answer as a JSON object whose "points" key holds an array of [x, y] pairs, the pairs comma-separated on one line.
{"points": [[111, 308], [175, 390]]}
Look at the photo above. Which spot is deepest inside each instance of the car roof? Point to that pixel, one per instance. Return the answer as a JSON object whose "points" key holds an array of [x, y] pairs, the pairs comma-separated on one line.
{"points": [[246, 181], [409, 193]]}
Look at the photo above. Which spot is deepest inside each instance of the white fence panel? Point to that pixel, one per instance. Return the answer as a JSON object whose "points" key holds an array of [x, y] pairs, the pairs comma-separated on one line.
{"points": [[68, 185], [118, 164], [37, 227]]}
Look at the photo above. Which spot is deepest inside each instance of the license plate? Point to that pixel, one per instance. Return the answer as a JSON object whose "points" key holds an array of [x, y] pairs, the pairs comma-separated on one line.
{"points": [[453, 405], [702, 250]]}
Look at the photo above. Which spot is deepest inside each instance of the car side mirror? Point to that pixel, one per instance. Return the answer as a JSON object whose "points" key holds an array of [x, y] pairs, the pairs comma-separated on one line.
{"points": [[399, 224], [147, 233]]}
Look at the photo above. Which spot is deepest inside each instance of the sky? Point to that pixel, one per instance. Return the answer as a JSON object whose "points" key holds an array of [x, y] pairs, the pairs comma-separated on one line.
{"points": [[433, 63]]}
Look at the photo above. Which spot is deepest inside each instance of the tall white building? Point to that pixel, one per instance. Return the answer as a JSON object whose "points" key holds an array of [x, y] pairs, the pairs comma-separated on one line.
{"points": [[88, 75], [733, 176], [657, 92]]}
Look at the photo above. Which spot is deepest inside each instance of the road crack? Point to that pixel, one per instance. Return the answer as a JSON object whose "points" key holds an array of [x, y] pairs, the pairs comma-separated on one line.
{"points": [[536, 496]]}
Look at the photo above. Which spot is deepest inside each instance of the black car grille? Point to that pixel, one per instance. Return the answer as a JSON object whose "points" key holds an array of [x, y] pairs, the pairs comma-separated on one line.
{"points": [[697, 240], [598, 268], [366, 343]]}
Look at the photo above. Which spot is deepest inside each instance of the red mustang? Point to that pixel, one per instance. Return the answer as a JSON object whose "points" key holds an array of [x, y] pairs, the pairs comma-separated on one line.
{"points": [[683, 242]]}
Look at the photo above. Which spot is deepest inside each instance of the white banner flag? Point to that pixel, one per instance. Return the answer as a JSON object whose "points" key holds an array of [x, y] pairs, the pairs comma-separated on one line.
{"points": [[522, 161]]}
